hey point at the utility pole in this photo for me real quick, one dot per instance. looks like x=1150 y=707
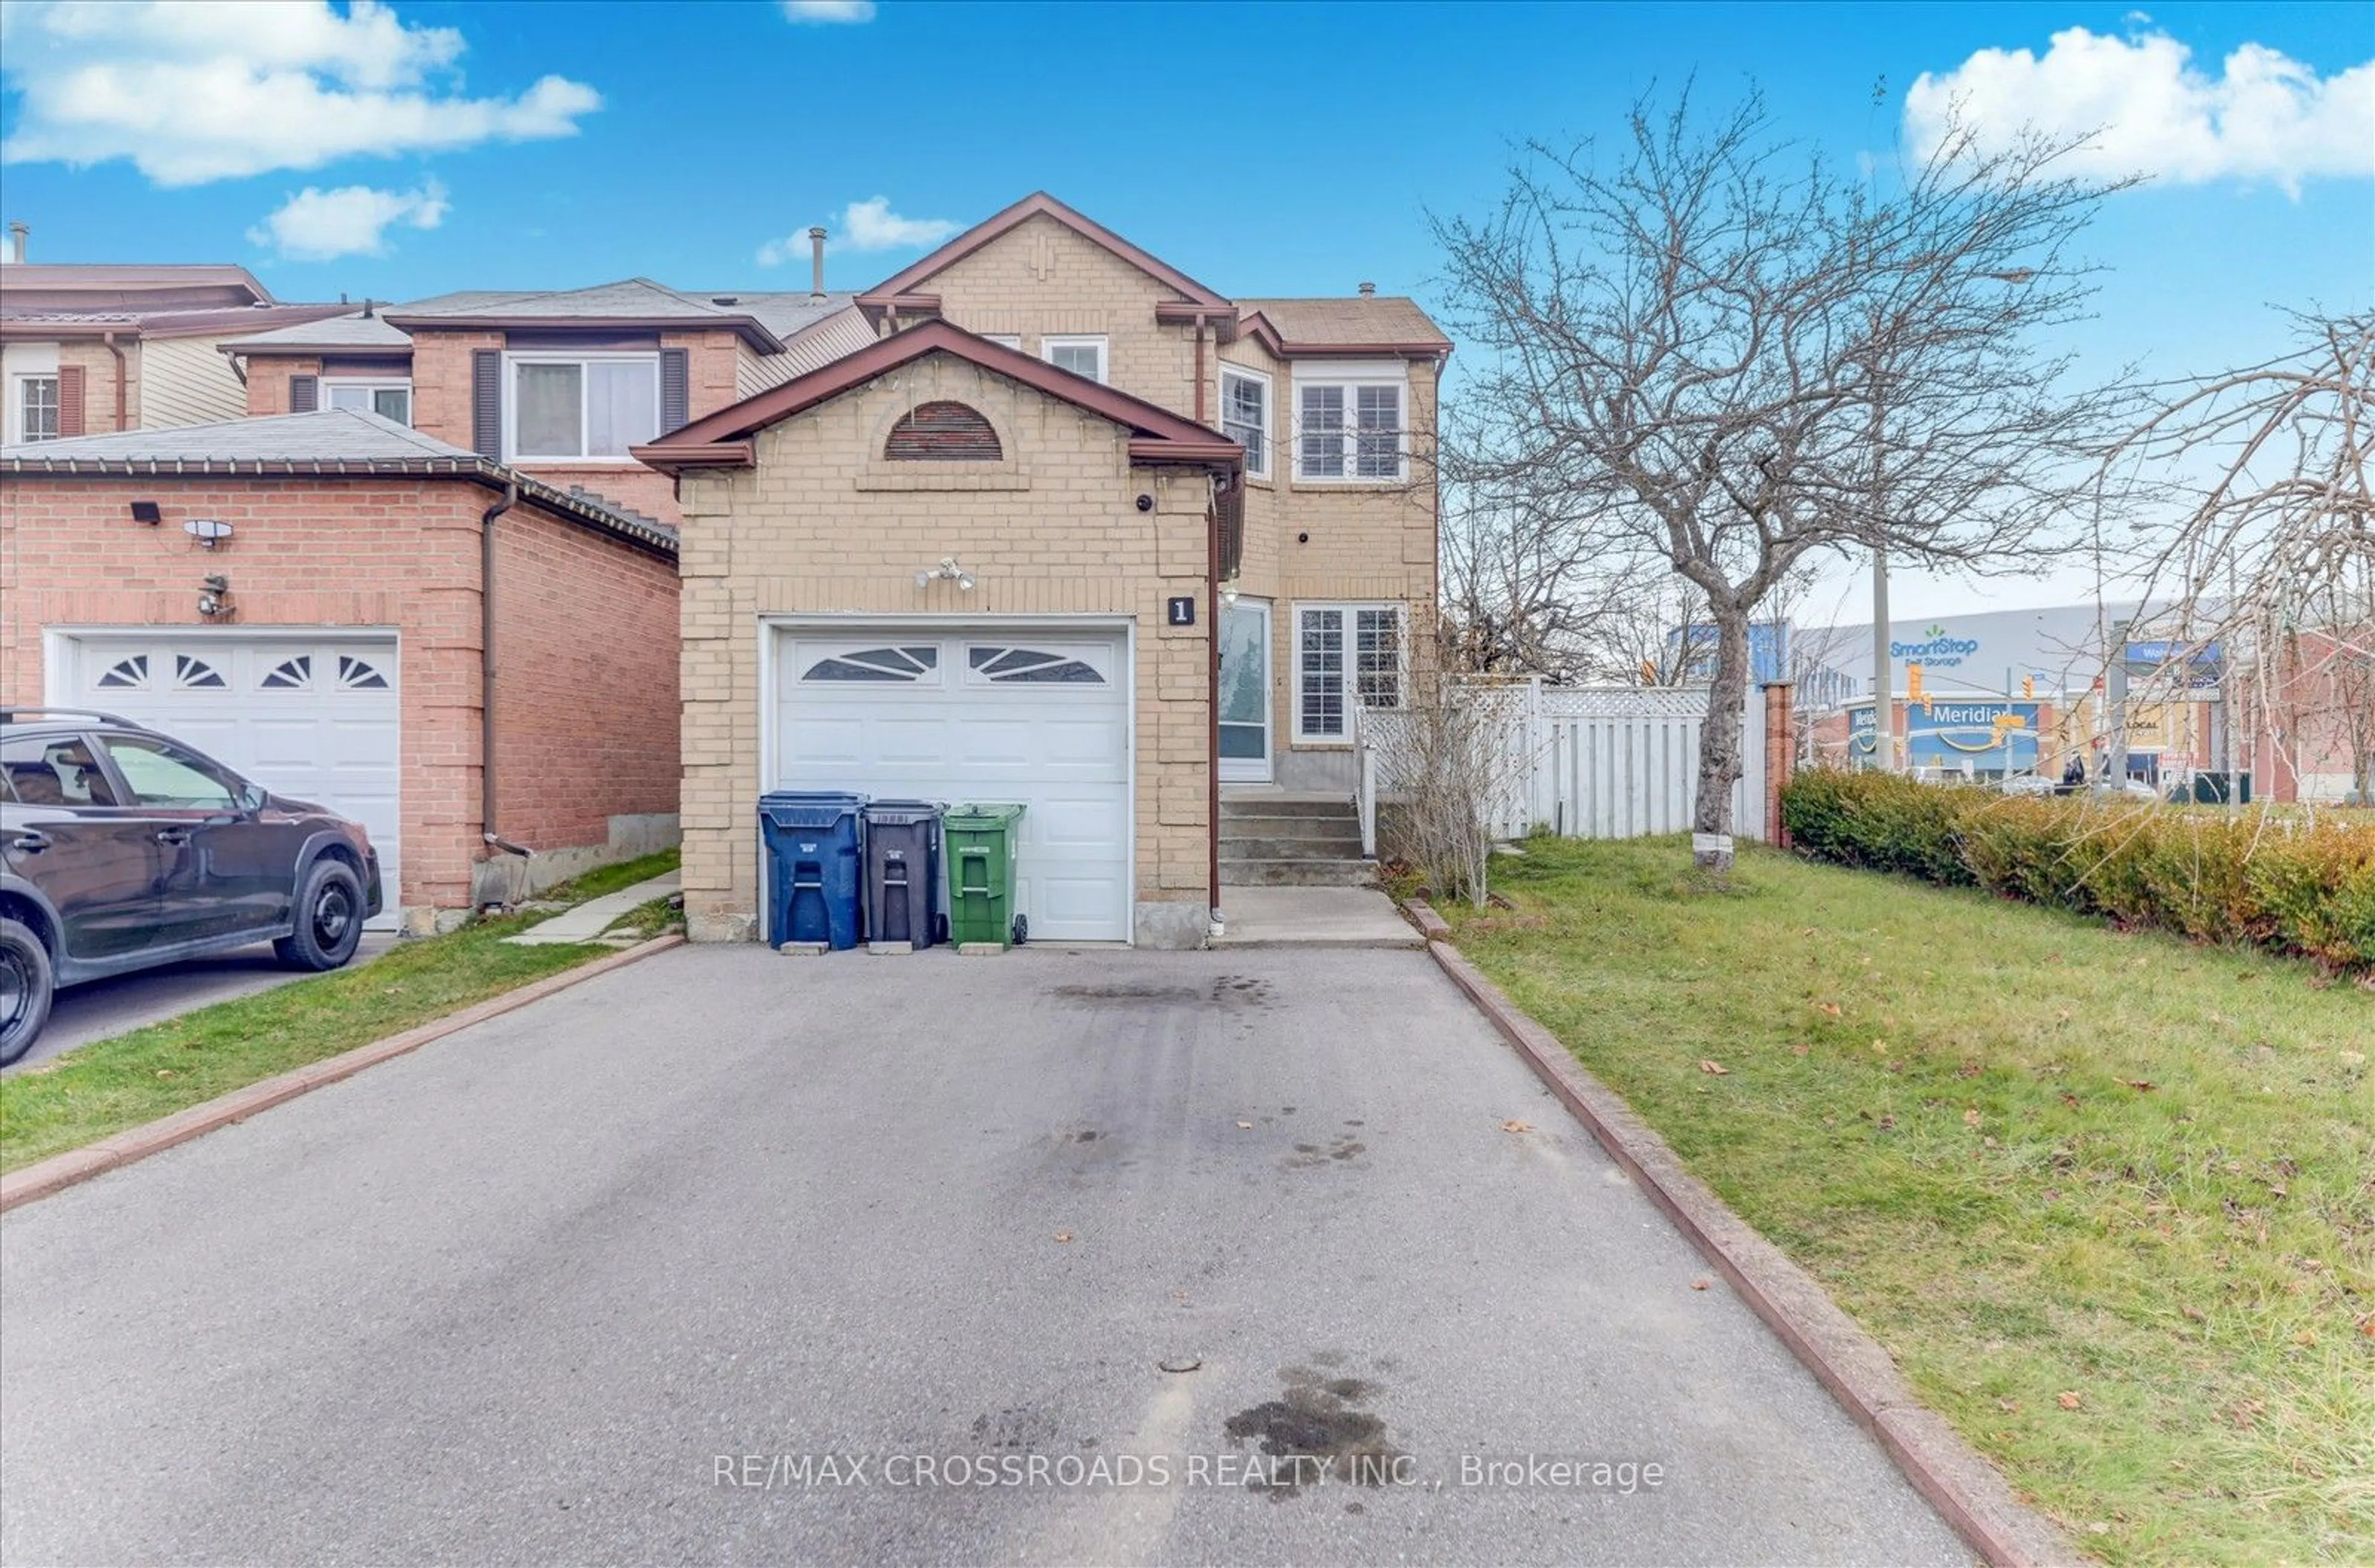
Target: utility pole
x=1883 y=701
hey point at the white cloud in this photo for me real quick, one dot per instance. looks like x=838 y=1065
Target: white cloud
x=870 y=225
x=829 y=10
x=315 y=224
x=2265 y=117
x=193 y=90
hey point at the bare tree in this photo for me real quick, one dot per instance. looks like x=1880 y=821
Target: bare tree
x=2267 y=544
x=1718 y=351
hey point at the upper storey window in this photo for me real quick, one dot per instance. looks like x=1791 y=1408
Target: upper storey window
x=1245 y=415
x=1083 y=356
x=37 y=409
x=564 y=407
x=1349 y=428
x=388 y=399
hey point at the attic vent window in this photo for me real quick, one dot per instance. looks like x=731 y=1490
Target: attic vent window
x=943 y=432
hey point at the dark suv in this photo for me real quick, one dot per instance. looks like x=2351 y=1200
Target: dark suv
x=121 y=848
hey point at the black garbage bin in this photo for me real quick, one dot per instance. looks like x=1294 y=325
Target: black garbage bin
x=903 y=874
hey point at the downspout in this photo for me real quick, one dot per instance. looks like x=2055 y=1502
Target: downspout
x=1213 y=682
x=122 y=370
x=487 y=669
x=1199 y=370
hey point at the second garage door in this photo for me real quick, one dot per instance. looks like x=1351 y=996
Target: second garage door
x=314 y=717
x=987 y=716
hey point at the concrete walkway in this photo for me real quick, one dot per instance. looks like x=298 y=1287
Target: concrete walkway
x=1313 y=917
x=588 y=921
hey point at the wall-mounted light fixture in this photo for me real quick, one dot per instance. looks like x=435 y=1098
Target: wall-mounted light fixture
x=207 y=531
x=213 y=598
x=947 y=572
x=1229 y=592
x=147 y=512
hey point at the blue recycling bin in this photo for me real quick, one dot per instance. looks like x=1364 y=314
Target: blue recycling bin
x=815 y=855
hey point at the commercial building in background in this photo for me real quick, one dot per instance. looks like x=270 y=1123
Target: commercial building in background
x=2001 y=692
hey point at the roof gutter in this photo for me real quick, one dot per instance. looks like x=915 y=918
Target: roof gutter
x=487 y=793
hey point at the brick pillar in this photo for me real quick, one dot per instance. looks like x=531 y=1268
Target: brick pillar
x=1780 y=755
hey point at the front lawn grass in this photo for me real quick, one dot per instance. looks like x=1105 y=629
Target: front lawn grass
x=2109 y=1199
x=112 y=1085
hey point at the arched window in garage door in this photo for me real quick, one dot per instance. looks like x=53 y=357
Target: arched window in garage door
x=1035 y=666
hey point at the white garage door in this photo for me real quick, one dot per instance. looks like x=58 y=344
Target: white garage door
x=313 y=719
x=987 y=716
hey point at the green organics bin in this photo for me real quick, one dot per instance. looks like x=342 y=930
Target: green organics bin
x=980 y=842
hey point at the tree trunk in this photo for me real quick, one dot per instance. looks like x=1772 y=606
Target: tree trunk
x=1719 y=759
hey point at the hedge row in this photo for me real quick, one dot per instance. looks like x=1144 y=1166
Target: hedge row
x=2250 y=877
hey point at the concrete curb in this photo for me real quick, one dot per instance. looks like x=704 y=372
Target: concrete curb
x=1955 y=1479
x=60 y=1172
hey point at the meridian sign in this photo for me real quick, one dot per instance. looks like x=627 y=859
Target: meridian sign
x=1992 y=736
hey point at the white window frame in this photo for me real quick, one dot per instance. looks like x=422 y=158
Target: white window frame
x=1268 y=441
x=1050 y=342
x=1351 y=378
x=1345 y=611
x=512 y=453
x=372 y=384
x=1004 y=339
x=20 y=405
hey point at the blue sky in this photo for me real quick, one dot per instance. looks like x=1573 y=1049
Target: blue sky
x=1263 y=148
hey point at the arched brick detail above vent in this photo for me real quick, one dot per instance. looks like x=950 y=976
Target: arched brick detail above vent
x=943 y=432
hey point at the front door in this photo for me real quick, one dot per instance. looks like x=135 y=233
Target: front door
x=1245 y=693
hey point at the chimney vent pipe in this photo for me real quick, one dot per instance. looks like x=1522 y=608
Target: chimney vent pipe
x=816 y=253
x=1368 y=290
x=17 y=233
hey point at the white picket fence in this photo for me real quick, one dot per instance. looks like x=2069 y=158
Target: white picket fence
x=1609 y=763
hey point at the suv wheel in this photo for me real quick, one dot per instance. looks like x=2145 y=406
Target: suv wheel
x=25 y=990
x=329 y=919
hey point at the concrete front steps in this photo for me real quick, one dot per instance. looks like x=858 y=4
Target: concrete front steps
x=1273 y=838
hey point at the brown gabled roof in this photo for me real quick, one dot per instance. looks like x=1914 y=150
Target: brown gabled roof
x=722 y=439
x=1371 y=323
x=1039 y=204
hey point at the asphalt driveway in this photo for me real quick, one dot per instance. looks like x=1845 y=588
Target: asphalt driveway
x=608 y=1279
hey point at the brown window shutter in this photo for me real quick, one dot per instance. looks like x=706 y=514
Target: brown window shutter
x=676 y=389
x=1230 y=519
x=305 y=393
x=487 y=403
x=70 y=378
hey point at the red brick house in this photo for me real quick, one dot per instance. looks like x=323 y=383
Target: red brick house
x=472 y=661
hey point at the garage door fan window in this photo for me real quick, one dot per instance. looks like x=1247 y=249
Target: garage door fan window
x=875 y=663
x=126 y=674
x=1032 y=664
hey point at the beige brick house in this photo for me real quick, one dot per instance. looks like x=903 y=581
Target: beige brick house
x=985 y=558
